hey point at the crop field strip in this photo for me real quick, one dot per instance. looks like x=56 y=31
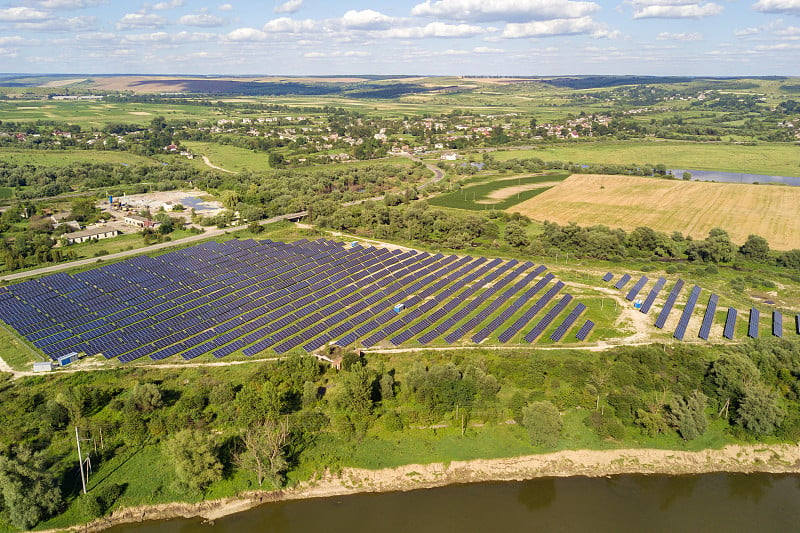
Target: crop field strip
x=248 y=296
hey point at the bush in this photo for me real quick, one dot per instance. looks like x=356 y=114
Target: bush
x=543 y=422
x=672 y=269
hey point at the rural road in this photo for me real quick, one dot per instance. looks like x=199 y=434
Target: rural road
x=208 y=162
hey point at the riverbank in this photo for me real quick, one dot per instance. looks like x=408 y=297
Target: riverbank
x=591 y=463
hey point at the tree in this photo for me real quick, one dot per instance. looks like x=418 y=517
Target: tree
x=194 y=457
x=688 y=415
x=514 y=234
x=265 y=450
x=543 y=422
x=729 y=376
x=29 y=492
x=755 y=248
x=145 y=397
x=759 y=411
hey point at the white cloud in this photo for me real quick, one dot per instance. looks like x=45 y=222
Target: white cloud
x=790 y=7
x=674 y=9
x=288 y=25
x=141 y=20
x=365 y=20
x=436 y=29
x=550 y=28
x=59 y=24
x=68 y=4
x=203 y=20
x=487 y=50
x=289 y=6
x=666 y=36
x=504 y=10
x=23 y=14
x=225 y=7
x=172 y=4
x=8 y=52
x=11 y=39
x=247 y=34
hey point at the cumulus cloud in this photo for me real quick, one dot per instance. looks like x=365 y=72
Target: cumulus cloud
x=246 y=34
x=68 y=4
x=290 y=6
x=365 y=20
x=204 y=20
x=435 y=29
x=225 y=7
x=23 y=14
x=504 y=10
x=288 y=25
x=141 y=20
x=550 y=28
x=674 y=9
x=666 y=36
x=11 y=39
x=59 y=24
x=172 y=4
x=789 y=7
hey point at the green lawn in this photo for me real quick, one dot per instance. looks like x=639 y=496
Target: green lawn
x=68 y=157
x=765 y=158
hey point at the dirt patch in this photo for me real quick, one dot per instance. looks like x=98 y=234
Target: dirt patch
x=593 y=463
x=140 y=113
x=63 y=83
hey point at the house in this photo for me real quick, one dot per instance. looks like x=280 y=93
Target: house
x=90 y=235
x=141 y=222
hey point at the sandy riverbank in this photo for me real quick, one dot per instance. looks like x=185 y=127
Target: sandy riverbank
x=592 y=463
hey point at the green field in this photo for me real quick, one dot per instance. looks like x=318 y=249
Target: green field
x=477 y=197
x=68 y=157
x=5 y=193
x=229 y=157
x=780 y=159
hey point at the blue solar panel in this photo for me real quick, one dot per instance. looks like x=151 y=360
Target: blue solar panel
x=608 y=276
x=651 y=297
x=586 y=328
x=621 y=282
x=708 y=318
x=730 y=323
x=562 y=329
x=683 y=322
x=665 y=311
x=636 y=288
x=777 y=324
x=752 y=330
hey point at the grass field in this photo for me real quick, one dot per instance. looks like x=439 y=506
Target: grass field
x=229 y=157
x=6 y=193
x=68 y=157
x=692 y=208
x=778 y=159
x=497 y=193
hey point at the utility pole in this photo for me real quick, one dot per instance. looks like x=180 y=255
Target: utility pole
x=80 y=459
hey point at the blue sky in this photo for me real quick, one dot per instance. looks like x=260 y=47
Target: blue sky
x=434 y=37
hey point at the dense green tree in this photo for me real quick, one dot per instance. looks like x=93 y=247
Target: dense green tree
x=755 y=248
x=760 y=411
x=543 y=422
x=194 y=456
x=515 y=235
x=29 y=492
x=264 y=454
x=688 y=415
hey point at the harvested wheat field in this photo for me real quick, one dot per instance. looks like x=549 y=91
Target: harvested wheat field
x=692 y=208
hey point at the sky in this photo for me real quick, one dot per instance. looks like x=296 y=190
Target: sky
x=425 y=37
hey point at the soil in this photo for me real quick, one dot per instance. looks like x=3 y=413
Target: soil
x=591 y=463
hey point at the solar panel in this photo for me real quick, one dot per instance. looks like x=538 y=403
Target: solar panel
x=683 y=322
x=586 y=328
x=621 y=282
x=562 y=329
x=651 y=297
x=636 y=288
x=708 y=318
x=665 y=311
x=752 y=330
x=730 y=323
x=608 y=276
x=777 y=324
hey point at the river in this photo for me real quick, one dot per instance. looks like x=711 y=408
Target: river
x=620 y=504
x=735 y=177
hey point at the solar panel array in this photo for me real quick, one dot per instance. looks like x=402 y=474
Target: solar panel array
x=608 y=276
x=777 y=324
x=665 y=311
x=651 y=296
x=586 y=328
x=621 y=282
x=634 y=292
x=248 y=296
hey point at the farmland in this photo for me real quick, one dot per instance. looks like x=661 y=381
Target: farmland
x=485 y=193
x=778 y=159
x=666 y=205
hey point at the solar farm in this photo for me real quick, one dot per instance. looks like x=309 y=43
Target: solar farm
x=684 y=318
x=260 y=296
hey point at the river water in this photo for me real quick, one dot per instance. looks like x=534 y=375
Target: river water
x=735 y=177
x=619 y=504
